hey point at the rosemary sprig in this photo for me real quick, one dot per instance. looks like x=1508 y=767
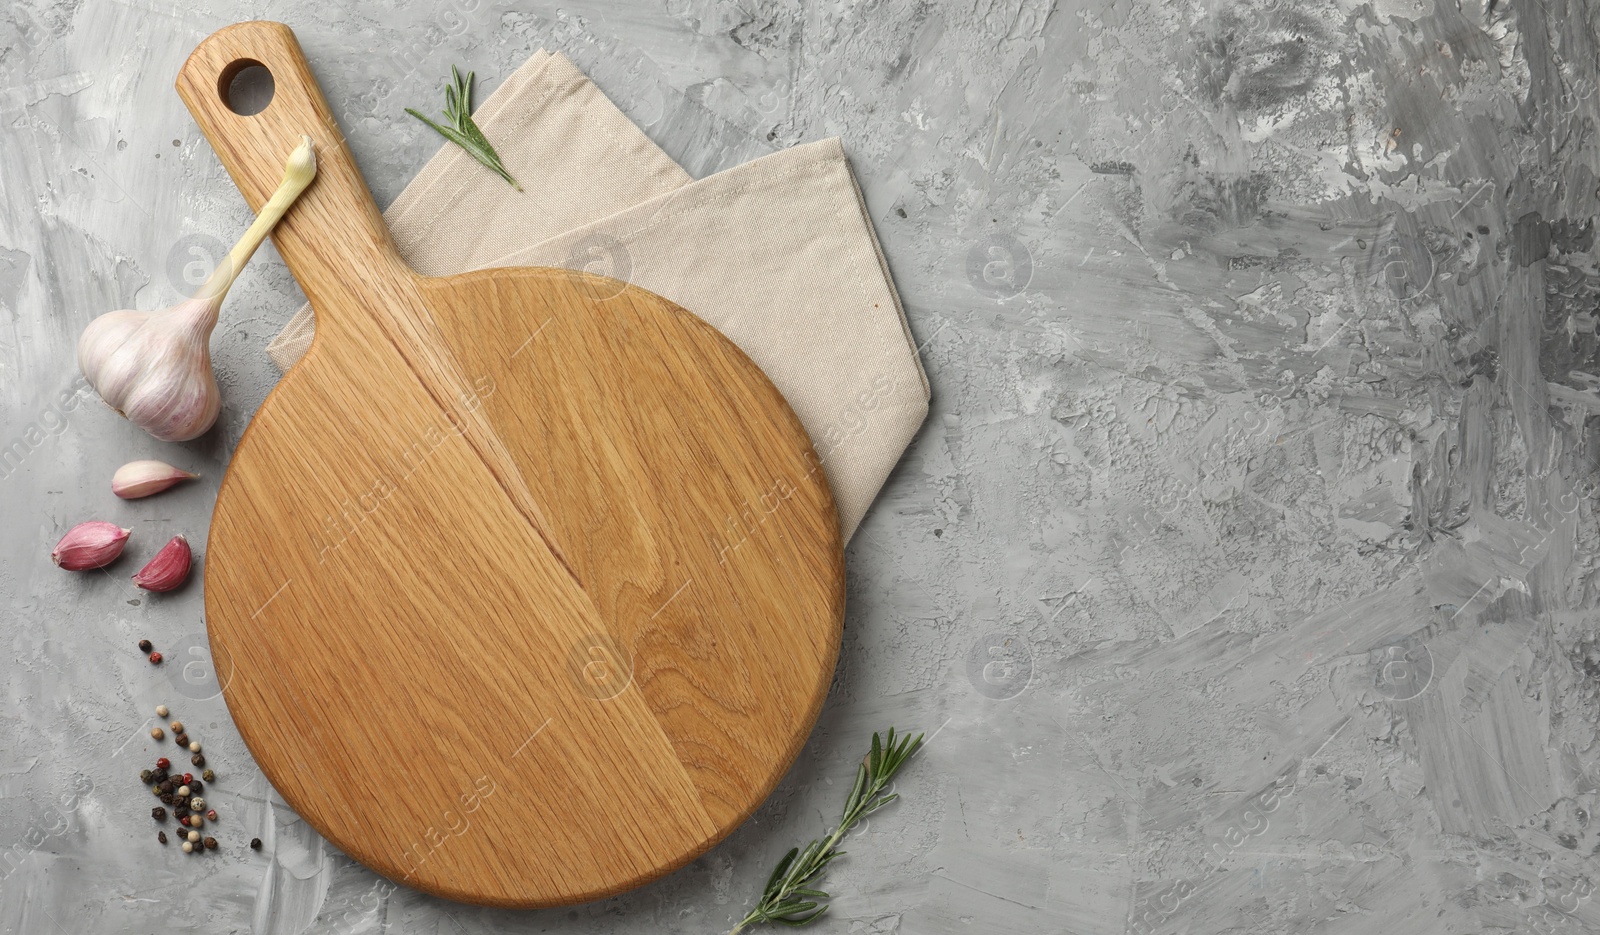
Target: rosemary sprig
x=462 y=131
x=787 y=898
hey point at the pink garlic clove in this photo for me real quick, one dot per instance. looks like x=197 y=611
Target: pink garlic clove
x=94 y=544
x=169 y=569
x=143 y=478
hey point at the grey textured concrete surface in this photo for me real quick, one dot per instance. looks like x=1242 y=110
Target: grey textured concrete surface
x=1244 y=573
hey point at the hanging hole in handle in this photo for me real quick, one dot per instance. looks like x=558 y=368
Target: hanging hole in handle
x=246 y=86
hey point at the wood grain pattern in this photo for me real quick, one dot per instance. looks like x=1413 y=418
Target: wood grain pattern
x=525 y=585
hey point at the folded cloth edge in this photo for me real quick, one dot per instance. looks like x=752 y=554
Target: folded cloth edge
x=856 y=471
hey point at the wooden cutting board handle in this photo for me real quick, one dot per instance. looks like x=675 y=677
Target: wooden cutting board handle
x=337 y=206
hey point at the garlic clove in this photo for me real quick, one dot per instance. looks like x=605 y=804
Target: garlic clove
x=109 y=330
x=169 y=568
x=94 y=544
x=142 y=478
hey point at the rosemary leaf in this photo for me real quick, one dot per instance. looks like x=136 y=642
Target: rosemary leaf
x=461 y=129
x=786 y=899
x=777 y=874
x=798 y=922
x=855 y=793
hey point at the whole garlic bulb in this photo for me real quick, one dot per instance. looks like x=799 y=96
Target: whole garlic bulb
x=155 y=367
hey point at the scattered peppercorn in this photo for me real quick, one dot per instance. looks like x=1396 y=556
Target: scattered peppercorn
x=155 y=659
x=144 y=646
x=255 y=844
x=181 y=792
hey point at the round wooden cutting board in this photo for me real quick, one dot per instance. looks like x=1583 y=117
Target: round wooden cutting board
x=525 y=584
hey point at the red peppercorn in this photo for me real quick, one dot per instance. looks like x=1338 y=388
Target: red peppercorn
x=188 y=778
x=184 y=819
x=163 y=763
x=211 y=814
x=155 y=658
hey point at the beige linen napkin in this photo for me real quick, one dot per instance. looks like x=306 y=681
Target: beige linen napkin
x=778 y=254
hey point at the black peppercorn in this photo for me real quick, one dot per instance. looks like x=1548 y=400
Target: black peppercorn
x=199 y=759
x=196 y=786
x=160 y=775
x=158 y=813
x=144 y=646
x=179 y=811
x=255 y=844
x=165 y=785
x=166 y=797
x=211 y=844
x=182 y=740
x=161 y=836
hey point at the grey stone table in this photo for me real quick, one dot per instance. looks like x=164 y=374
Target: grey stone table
x=1243 y=574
